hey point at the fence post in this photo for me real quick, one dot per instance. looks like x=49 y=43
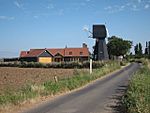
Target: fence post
x=56 y=78
x=90 y=66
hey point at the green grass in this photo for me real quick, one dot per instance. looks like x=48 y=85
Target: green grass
x=17 y=97
x=51 y=87
x=137 y=98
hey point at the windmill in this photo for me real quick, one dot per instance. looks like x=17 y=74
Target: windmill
x=100 y=49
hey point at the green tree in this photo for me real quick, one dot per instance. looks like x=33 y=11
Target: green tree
x=140 y=49
x=136 y=49
x=149 y=47
x=117 y=46
x=146 y=49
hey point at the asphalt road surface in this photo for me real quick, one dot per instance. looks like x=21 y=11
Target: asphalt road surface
x=101 y=96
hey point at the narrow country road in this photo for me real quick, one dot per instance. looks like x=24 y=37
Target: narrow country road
x=100 y=97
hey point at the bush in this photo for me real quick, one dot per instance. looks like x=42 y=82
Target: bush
x=51 y=87
x=32 y=65
x=9 y=64
x=137 y=98
x=74 y=64
x=17 y=97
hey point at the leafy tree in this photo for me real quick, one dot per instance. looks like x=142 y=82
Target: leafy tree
x=149 y=48
x=136 y=49
x=140 y=49
x=146 y=49
x=117 y=46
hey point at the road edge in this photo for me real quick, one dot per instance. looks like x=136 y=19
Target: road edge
x=42 y=102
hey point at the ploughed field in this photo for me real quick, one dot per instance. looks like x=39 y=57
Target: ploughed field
x=13 y=78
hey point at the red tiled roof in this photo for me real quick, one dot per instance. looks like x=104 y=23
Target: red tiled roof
x=76 y=52
x=55 y=51
x=23 y=53
x=34 y=53
x=66 y=52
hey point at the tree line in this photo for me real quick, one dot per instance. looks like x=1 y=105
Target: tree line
x=138 y=49
x=119 y=47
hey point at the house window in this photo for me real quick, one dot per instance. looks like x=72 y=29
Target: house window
x=70 y=53
x=81 y=53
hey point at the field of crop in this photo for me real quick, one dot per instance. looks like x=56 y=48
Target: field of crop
x=22 y=84
x=137 y=98
x=13 y=78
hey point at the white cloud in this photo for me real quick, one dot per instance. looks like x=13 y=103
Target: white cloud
x=7 y=18
x=108 y=8
x=19 y=4
x=146 y=6
x=128 y=4
x=133 y=5
x=114 y=9
x=87 y=0
x=59 y=12
x=139 y=1
x=36 y=17
x=16 y=3
x=121 y=8
x=86 y=28
x=134 y=8
x=50 y=6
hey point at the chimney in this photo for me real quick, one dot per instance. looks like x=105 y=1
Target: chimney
x=84 y=45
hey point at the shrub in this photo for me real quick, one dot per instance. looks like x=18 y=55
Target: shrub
x=17 y=97
x=73 y=64
x=137 y=98
x=51 y=87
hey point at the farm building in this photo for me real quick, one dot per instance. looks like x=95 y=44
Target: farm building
x=55 y=55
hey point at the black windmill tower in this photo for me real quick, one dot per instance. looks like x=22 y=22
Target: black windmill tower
x=100 y=48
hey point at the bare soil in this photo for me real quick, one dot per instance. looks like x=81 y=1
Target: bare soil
x=13 y=78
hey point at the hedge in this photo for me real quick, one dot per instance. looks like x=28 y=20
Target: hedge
x=85 y=64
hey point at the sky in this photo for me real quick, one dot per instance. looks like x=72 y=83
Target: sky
x=26 y=24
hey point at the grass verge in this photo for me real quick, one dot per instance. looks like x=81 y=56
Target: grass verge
x=137 y=98
x=52 y=88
